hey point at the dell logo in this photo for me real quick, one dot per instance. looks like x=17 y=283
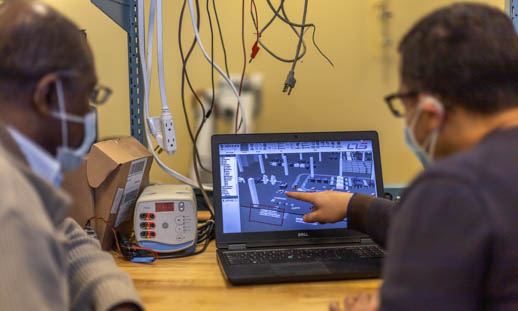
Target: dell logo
x=302 y=234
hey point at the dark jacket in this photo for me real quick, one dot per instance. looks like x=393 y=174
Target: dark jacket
x=453 y=241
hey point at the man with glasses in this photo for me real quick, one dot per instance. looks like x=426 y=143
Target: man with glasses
x=452 y=242
x=47 y=124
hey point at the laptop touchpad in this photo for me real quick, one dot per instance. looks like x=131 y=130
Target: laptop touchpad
x=287 y=269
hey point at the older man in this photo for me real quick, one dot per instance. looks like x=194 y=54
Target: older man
x=453 y=241
x=47 y=79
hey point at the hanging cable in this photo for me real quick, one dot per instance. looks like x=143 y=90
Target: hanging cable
x=200 y=44
x=147 y=80
x=279 y=58
x=313 y=37
x=290 y=81
x=243 y=43
x=160 y=54
x=285 y=19
x=289 y=84
x=213 y=95
x=255 y=47
x=221 y=38
x=185 y=77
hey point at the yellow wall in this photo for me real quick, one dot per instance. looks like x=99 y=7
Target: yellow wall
x=346 y=97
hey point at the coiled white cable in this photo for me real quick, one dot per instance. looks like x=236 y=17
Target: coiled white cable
x=227 y=79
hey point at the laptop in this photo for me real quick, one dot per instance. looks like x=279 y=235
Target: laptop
x=260 y=233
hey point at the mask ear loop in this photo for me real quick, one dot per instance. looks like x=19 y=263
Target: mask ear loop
x=432 y=139
x=417 y=113
x=412 y=125
x=62 y=112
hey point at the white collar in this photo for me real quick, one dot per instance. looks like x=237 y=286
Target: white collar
x=41 y=162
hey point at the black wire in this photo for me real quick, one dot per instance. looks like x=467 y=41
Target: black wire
x=318 y=49
x=205 y=235
x=184 y=65
x=213 y=95
x=221 y=37
x=287 y=21
x=267 y=49
x=313 y=37
x=185 y=78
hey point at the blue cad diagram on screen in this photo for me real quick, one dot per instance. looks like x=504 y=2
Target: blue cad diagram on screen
x=256 y=176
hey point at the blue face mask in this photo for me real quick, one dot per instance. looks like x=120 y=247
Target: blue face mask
x=425 y=157
x=70 y=158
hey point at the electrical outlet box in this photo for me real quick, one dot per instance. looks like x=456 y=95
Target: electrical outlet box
x=168 y=134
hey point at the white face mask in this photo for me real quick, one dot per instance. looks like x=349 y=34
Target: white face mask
x=69 y=158
x=430 y=143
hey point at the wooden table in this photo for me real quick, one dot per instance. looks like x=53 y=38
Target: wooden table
x=196 y=283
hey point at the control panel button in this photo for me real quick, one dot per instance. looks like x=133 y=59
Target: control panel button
x=165 y=225
x=179 y=229
x=179 y=220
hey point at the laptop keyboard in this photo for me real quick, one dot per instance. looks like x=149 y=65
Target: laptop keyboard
x=272 y=256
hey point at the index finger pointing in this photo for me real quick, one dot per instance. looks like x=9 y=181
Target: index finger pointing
x=303 y=196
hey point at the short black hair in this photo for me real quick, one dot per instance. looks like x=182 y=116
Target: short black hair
x=466 y=54
x=35 y=40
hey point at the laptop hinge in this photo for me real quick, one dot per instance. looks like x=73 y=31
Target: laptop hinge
x=233 y=247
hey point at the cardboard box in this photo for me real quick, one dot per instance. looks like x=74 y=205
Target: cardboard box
x=75 y=183
x=114 y=174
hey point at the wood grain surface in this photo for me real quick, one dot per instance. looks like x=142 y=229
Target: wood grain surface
x=196 y=283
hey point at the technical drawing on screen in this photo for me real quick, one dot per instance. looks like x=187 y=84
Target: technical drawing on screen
x=255 y=177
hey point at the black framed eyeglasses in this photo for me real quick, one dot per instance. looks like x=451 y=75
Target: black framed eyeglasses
x=100 y=95
x=395 y=102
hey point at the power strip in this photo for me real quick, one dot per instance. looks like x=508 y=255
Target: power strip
x=168 y=133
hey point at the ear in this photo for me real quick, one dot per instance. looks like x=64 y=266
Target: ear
x=431 y=104
x=432 y=109
x=44 y=94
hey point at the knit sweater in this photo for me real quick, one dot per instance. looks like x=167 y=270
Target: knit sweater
x=48 y=262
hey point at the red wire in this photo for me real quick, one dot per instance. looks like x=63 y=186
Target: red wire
x=255 y=47
x=117 y=240
x=244 y=60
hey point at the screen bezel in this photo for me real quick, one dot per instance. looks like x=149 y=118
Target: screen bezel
x=292 y=237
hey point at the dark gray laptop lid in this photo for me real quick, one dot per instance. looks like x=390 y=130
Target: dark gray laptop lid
x=252 y=172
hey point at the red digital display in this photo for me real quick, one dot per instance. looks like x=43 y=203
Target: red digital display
x=164 y=207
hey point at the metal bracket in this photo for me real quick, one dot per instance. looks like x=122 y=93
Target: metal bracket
x=124 y=13
x=511 y=8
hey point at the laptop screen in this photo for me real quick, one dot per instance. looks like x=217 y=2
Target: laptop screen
x=255 y=176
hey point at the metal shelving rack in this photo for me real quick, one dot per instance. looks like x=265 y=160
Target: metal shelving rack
x=124 y=14
x=511 y=8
